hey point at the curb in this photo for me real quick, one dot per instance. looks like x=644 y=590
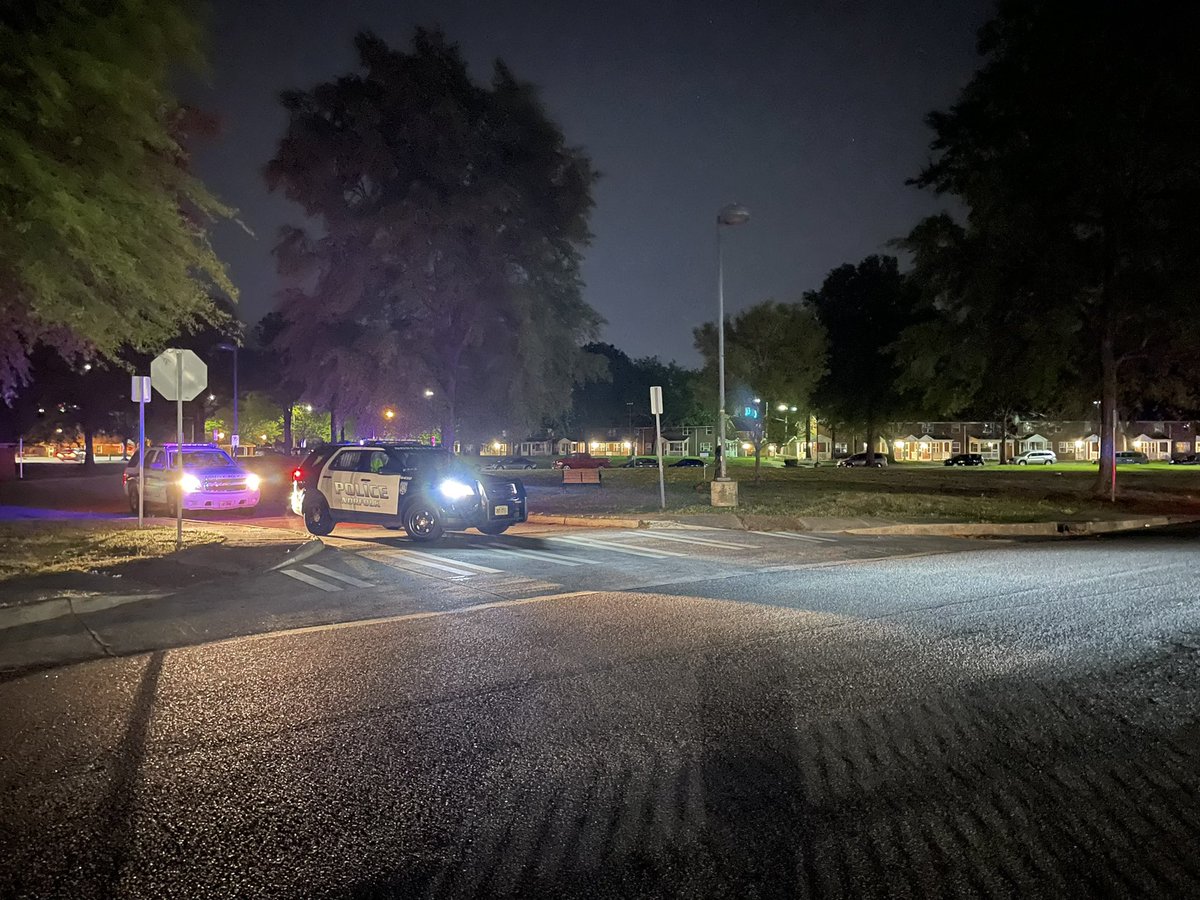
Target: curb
x=1030 y=529
x=584 y=521
x=307 y=550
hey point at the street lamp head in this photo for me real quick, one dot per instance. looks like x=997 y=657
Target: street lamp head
x=428 y=392
x=782 y=407
x=389 y=414
x=733 y=214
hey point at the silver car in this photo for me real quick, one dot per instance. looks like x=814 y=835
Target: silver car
x=1036 y=458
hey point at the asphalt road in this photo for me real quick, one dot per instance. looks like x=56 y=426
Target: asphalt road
x=786 y=717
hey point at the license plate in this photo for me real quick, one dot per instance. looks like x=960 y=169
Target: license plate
x=501 y=510
x=225 y=504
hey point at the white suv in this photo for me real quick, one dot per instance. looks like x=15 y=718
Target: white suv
x=1036 y=458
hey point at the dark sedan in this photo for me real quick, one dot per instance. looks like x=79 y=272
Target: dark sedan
x=860 y=459
x=639 y=462
x=689 y=463
x=1191 y=459
x=511 y=462
x=964 y=459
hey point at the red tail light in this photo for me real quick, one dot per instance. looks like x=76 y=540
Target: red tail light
x=124 y=479
x=297 y=474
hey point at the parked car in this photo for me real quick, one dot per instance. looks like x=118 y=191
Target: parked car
x=860 y=459
x=1131 y=457
x=274 y=470
x=639 y=462
x=211 y=480
x=582 y=461
x=689 y=462
x=964 y=459
x=399 y=484
x=1191 y=459
x=1036 y=458
x=71 y=454
x=511 y=462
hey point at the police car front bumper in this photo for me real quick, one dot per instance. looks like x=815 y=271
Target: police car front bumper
x=221 y=500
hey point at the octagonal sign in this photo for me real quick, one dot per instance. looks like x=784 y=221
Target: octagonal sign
x=168 y=380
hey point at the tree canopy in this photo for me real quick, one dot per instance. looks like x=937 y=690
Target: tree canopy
x=863 y=308
x=102 y=228
x=1073 y=150
x=444 y=257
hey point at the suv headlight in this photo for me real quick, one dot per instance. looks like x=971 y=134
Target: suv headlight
x=189 y=483
x=253 y=481
x=453 y=489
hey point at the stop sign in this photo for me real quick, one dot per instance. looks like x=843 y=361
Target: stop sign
x=171 y=382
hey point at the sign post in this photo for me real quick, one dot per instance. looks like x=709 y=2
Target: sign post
x=656 y=407
x=139 y=393
x=178 y=375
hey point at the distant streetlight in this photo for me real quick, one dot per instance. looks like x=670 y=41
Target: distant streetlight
x=389 y=414
x=232 y=348
x=308 y=407
x=733 y=214
x=787 y=411
x=428 y=393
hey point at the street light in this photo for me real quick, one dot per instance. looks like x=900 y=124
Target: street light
x=428 y=393
x=787 y=431
x=389 y=414
x=723 y=491
x=232 y=348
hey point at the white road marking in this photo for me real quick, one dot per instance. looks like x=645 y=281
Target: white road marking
x=593 y=544
x=398 y=557
x=559 y=559
x=349 y=579
x=693 y=540
x=792 y=536
x=311 y=579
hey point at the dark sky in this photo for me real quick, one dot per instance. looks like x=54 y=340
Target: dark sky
x=810 y=113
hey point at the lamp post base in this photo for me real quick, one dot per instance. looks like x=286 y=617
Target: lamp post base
x=724 y=492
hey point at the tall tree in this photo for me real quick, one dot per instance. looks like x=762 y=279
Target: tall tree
x=864 y=308
x=102 y=229
x=774 y=350
x=1074 y=151
x=451 y=220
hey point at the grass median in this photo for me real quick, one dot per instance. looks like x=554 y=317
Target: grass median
x=58 y=547
x=904 y=492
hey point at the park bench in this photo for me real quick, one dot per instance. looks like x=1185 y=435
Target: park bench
x=581 y=476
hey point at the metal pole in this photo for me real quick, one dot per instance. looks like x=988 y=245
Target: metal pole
x=21 y=456
x=235 y=397
x=721 y=350
x=662 y=488
x=141 y=459
x=179 y=449
x=1112 y=491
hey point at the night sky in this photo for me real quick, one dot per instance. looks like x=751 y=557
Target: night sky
x=810 y=113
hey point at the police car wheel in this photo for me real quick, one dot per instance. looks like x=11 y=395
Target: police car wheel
x=133 y=500
x=422 y=521
x=493 y=528
x=317 y=518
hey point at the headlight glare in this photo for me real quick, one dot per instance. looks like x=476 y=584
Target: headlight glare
x=252 y=482
x=455 y=490
x=189 y=483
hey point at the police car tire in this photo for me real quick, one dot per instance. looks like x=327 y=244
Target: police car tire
x=430 y=532
x=493 y=528
x=133 y=500
x=323 y=523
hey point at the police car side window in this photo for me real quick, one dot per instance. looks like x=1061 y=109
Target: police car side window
x=347 y=461
x=373 y=462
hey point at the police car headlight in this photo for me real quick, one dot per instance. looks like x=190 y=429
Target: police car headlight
x=252 y=482
x=189 y=483
x=455 y=490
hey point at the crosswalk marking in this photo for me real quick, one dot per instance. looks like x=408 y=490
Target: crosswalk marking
x=349 y=579
x=704 y=542
x=401 y=559
x=593 y=544
x=311 y=579
x=559 y=559
x=792 y=536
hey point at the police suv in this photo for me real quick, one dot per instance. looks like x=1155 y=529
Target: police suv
x=413 y=486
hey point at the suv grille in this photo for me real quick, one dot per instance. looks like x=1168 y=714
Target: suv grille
x=219 y=484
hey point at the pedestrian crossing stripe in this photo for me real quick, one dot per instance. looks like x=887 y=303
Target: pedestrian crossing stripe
x=617 y=547
x=560 y=559
x=703 y=542
x=311 y=579
x=349 y=579
x=792 y=536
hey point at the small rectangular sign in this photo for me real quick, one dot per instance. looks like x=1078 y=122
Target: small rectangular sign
x=233 y=441
x=656 y=404
x=139 y=389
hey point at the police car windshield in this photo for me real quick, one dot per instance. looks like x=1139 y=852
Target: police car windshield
x=201 y=459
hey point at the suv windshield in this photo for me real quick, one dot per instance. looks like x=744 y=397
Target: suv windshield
x=200 y=459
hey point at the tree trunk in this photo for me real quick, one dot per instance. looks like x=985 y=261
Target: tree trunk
x=333 y=421
x=287 y=427
x=1106 y=481
x=808 y=436
x=1003 y=423
x=871 y=440
x=89 y=459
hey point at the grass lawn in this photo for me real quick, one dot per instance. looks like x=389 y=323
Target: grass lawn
x=907 y=492
x=36 y=548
